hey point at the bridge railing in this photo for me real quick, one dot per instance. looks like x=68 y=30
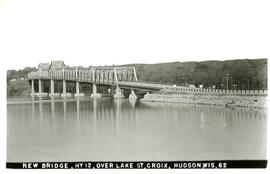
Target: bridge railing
x=180 y=89
x=140 y=84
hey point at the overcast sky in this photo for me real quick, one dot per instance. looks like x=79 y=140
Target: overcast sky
x=106 y=32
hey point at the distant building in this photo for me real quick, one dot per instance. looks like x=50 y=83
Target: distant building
x=12 y=82
x=19 y=83
x=234 y=86
x=191 y=86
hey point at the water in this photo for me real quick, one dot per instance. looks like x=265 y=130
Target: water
x=106 y=129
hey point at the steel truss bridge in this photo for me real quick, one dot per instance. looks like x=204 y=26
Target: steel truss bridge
x=119 y=77
x=111 y=76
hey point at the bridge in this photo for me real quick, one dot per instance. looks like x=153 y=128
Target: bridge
x=115 y=79
x=118 y=78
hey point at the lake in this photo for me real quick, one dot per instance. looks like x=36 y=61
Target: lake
x=123 y=130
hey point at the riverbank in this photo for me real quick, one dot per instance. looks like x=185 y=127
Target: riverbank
x=18 y=88
x=251 y=101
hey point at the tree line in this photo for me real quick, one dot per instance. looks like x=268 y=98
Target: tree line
x=241 y=74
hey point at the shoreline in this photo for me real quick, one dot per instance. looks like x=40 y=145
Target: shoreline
x=250 y=101
x=214 y=99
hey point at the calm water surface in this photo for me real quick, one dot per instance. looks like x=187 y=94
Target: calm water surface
x=107 y=129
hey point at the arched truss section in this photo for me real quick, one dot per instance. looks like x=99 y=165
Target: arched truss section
x=101 y=74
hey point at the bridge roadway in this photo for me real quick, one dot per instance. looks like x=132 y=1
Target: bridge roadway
x=142 y=86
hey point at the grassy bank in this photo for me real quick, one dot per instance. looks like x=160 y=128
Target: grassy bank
x=18 y=88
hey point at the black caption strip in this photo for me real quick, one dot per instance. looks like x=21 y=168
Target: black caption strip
x=140 y=165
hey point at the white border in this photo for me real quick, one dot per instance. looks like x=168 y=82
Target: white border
x=228 y=29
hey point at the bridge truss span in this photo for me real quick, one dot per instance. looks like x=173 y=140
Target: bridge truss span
x=98 y=75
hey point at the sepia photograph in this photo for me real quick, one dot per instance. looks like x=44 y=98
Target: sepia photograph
x=180 y=111
x=117 y=86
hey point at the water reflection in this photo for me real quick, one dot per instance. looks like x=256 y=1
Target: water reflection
x=33 y=109
x=105 y=129
x=211 y=115
x=41 y=116
x=65 y=109
x=133 y=102
x=78 y=111
x=202 y=120
x=53 y=108
x=113 y=115
x=116 y=114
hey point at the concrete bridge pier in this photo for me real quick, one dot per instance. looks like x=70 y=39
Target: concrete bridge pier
x=65 y=94
x=78 y=94
x=132 y=95
x=40 y=89
x=52 y=94
x=95 y=94
x=146 y=95
x=118 y=93
x=33 y=94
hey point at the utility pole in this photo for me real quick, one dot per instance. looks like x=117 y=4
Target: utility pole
x=227 y=80
x=248 y=84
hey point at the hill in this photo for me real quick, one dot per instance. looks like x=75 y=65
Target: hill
x=247 y=73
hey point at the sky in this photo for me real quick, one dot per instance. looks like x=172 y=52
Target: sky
x=106 y=32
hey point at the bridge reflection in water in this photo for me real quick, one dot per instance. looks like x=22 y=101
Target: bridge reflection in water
x=107 y=129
